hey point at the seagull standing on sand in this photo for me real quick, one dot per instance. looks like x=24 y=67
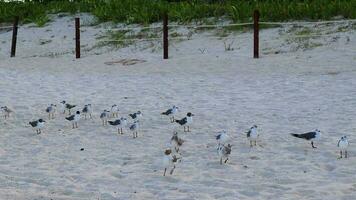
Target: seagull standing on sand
x=104 y=117
x=310 y=136
x=137 y=115
x=176 y=141
x=252 y=135
x=51 y=110
x=222 y=137
x=6 y=111
x=66 y=106
x=186 y=121
x=169 y=161
x=74 y=119
x=87 y=111
x=224 y=152
x=342 y=145
x=119 y=123
x=171 y=113
x=134 y=128
x=115 y=110
x=38 y=125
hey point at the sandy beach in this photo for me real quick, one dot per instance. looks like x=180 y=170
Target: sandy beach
x=292 y=88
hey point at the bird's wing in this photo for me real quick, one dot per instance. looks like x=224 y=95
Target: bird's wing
x=308 y=135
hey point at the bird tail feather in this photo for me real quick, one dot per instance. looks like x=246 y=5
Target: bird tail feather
x=296 y=135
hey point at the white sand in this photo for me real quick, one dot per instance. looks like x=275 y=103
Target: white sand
x=296 y=90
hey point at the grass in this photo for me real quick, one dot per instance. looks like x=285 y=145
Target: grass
x=148 y=11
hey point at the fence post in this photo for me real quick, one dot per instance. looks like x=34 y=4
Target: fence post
x=165 y=35
x=14 y=36
x=77 y=37
x=256 y=17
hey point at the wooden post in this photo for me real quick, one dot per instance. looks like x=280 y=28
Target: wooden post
x=77 y=37
x=165 y=35
x=256 y=17
x=14 y=37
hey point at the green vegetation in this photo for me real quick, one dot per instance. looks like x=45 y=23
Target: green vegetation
x=148 y=11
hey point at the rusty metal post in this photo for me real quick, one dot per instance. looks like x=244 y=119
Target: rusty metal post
x=77 y=37
x=256 y=18
x=165 y=35
x=14 y=36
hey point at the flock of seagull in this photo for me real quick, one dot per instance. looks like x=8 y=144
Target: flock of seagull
x=172 y=153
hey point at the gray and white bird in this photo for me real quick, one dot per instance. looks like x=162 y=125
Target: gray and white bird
x=186 y=121
x=224 y=152
x=104 y=117
x=170 y=161
x=115 y=110
x=343 y=144
x=87 y=110
x=137 y=115
x=6 y=111
x=176 y=141
x=51 y=110
x=134 y=128
x=38 y=125
x=252 y=135
x=171 y=113
x=74 y=119
x=310 y=136
x=66 y=107
x=222 y=137
x=119 y=123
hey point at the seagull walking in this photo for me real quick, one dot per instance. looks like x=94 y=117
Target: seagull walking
x=135 y=116
x=87 y=110
x=224 y=152
x=115 y=110
x=310 y=136
x=186 y=121
x=104 y=117
x=6 y=111
x=169 y=161
x=252 y=135
x=134 y=128
x=74 y=119
x=171 y=113
x=342 y=145
x=222 y=137
x=38 y=125
x=119 y=123
x=176 y=141
x=51 y=110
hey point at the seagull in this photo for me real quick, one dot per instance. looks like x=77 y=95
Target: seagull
x=342 y=145
x=252 y=135
x=66 y=106
x=104 y=117
x=87 y=110
x=176 y=141
x=134 y=128
x=169 y=161
x=120 y=123
x=312 y=136
x=136 y=115
x=74 y=119
x=38 y=125
x=115 y=110
x=186 y=121
x=222 y=137
x=224 y=152
x=51 y=111
x=171 y=113
x=6 y=111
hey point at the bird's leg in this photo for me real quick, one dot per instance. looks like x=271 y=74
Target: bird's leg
x=76 y=124
x=188 y=129
x=340 y=154
x=90 y=116
x=103 y=122
x=312 y=143
x=165 y=169
x=251 y=144
x=255 y=143
x=73 y=126
x=49 y=115
x=226 y=160
x=345 y=154
x=220 y=160
x=85 y=116
x=136 y=134
x=37 y=131
x=118 y=131
x=121 y=131
x=174 y=166
x=133 y=134
x=184 y=128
